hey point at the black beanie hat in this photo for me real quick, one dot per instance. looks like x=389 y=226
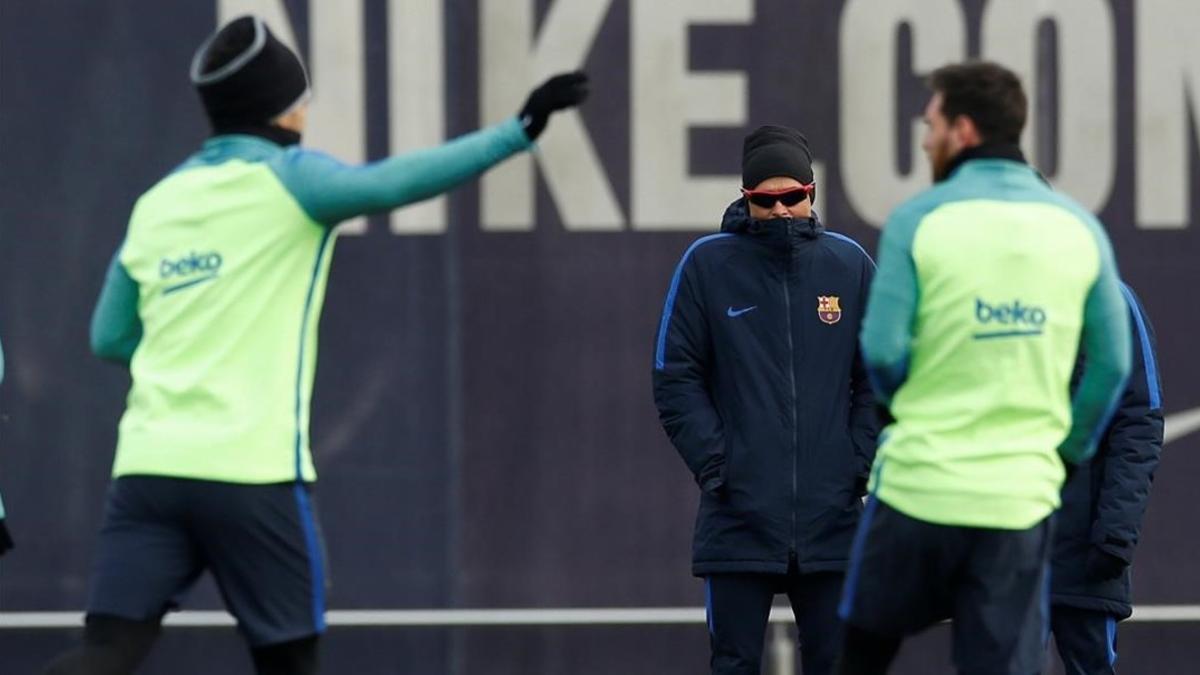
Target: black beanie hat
x=246 y=76
x=771 y=151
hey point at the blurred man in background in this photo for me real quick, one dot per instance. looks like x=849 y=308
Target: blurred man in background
x=213 y=301
x=1097 y=528
x=760 y=386
x=988 y=285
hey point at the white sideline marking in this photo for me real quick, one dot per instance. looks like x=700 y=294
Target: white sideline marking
x=435 y=618
x=1181 y=424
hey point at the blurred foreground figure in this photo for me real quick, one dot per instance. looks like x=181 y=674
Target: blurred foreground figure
x=760 y=386
x=213 y=301
x=1096 y=531
x=988 y=285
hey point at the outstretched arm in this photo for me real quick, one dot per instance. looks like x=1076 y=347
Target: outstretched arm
x=330 y=191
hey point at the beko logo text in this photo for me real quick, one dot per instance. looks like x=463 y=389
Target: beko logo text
x=190 y=264
x=1016 y=313
x=1013 y=319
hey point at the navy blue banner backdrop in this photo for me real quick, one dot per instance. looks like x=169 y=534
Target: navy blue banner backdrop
x=482 y=424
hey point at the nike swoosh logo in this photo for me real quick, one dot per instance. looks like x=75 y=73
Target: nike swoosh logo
x=731 y=312
x=1181 y=424
x=188 y=284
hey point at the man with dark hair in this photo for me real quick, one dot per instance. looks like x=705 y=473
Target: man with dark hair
x=1096 y=531
x=213 y=300
x=760 y=387
x=975 y=372
x=987 y=94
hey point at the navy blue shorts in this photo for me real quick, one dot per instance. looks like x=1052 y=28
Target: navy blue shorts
x=262 y=544
x=907 y=574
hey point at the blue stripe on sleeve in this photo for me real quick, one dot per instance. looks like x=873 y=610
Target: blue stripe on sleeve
x=1147 y=352
x=843 y=237
x=669 y=305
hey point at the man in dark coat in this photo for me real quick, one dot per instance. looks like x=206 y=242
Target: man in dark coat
x=760 y=387
x=1102 y=507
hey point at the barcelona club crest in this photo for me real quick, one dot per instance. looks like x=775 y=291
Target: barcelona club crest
x=828 y=309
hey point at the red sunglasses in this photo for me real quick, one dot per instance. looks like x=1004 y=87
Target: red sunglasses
x=789 y=196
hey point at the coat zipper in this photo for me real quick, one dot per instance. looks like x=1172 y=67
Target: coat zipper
x=787 y=298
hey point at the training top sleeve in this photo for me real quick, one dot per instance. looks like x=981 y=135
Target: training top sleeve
x=116 y=327
x=330 y=191
x=1106 y=342
x=886 y=336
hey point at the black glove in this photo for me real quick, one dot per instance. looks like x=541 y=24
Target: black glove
x=1069 y=469
x=860 y=485
x=566 y=90
x=884 y=415
x=1103 y=566
x=6 y=541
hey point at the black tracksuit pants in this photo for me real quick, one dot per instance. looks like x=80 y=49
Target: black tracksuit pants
x=1086 y=640
x=740 y=604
